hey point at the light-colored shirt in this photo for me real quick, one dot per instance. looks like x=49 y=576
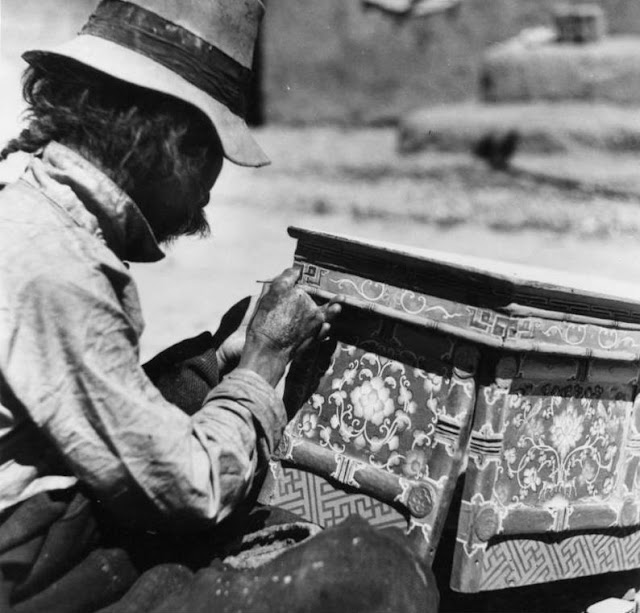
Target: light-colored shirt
x=75 y=404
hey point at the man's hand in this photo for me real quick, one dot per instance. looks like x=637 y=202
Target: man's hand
x=232 y=334
x=286 y=320
x=229 y=353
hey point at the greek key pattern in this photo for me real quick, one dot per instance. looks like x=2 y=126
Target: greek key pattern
x=517 y=562
x=501 y=325
x=316 y=500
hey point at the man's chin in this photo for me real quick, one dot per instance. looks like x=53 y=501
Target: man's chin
x=197 y=225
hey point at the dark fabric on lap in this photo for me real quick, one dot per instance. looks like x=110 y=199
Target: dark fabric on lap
x=171 y=561
x=152 y=588
x=352 y=567
x=50 y=551
x=102 y=577
x=343 y=568
x=186 y=372
x=56 y=544
x=43 y=538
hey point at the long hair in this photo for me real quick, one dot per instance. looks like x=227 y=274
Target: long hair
x=135 y=135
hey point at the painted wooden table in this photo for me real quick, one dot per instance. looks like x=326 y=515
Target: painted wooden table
x=522 y=380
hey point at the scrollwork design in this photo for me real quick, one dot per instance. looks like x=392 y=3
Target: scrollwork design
x=560 y=445
x=417 y=304
x=572 y=334
x=412 y=297
x=372 y=291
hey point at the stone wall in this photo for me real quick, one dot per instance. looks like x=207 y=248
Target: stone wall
x=332 y=60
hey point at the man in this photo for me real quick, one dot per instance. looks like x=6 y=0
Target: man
x=128 y=125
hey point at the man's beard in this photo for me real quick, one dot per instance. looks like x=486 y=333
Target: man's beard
x=171 y=221
x=195 y=224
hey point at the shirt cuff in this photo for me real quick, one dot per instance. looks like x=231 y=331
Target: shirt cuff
x=253 y=392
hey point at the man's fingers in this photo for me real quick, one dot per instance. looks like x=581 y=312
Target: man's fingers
x=289 y=314
x=304 y=346
x=251 y=309
x=324 y=331
x=333 y=308
x=332 y=311
x=286 y=279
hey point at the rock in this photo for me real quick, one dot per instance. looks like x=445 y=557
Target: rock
x=606 y=70
x=580 y=23
x=540 y=128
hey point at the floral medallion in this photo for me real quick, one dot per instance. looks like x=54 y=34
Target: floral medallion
x=376 y=410
x=561 y=442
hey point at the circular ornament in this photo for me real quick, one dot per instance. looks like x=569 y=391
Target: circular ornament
x=420 y=501
x=486 y=524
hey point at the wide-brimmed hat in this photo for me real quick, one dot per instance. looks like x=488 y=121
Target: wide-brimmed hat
x=200 y=51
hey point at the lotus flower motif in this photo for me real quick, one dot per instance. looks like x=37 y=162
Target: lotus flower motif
x=566 y=430
x=415 y=463
x=372 y=402
x=531 y=479
x=309 y=424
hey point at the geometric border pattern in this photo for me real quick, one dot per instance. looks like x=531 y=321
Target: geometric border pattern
x=318 y=501
x=517 y=562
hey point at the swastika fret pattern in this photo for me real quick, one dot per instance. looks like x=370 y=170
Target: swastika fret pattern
x=527 y=561
x=318 y=501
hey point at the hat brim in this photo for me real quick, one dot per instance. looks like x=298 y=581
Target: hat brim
x=127 y=65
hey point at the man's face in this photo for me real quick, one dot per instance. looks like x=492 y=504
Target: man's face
x=174 y=208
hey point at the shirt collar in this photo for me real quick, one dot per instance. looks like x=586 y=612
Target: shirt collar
x=95 y=202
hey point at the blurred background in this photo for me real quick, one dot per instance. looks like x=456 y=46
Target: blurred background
x=505 y=129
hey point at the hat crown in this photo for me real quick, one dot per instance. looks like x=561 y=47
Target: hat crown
x=230 y=25
x=198 y=51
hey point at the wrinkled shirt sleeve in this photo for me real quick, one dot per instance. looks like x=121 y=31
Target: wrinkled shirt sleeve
x=74 y=366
